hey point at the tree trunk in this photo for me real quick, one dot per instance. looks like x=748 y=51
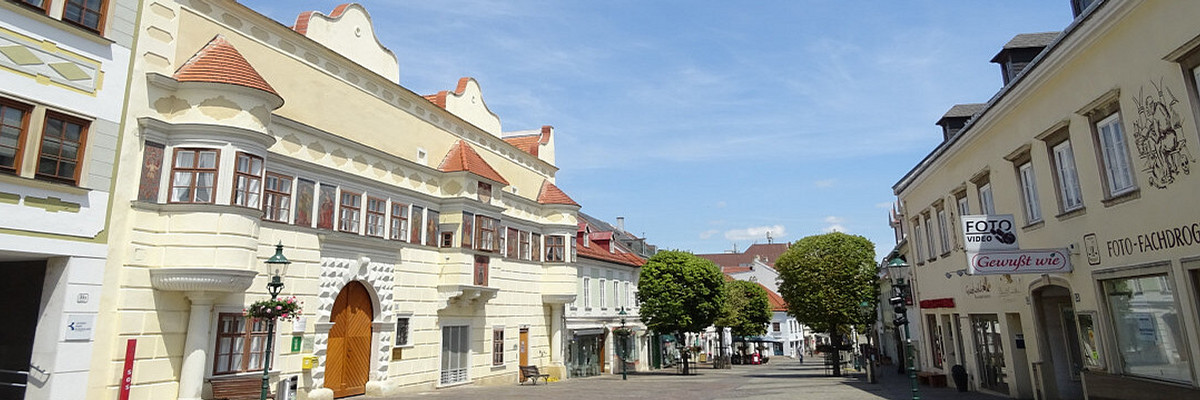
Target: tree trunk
x=835 y=339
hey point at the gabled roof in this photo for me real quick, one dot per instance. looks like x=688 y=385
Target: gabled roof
x=462 y=157
x=777 y=303
x=964 y=110
x=551 y=194
x=1027 y=41
x=529 y=143
x=219 y=62
x=766 y=252
x=619 y=255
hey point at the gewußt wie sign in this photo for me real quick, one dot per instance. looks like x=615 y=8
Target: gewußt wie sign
x=991 y=245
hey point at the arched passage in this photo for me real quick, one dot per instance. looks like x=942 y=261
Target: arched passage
x=348 y=360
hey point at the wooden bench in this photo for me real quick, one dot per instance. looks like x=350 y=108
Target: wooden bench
x=931 y=379
x=530 y=372
x=238 y=388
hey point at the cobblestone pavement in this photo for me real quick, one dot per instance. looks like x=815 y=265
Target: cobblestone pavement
x=782 y=378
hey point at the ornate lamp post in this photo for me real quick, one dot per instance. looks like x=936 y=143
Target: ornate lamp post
x=623 y=347
x=898 y=301
x=274 y=287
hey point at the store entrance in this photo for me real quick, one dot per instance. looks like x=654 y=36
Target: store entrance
x=1059 y=336
x=22 y=288
x=989 y=352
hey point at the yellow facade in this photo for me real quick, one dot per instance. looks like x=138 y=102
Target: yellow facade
x=1028 y=335
x=190 y=256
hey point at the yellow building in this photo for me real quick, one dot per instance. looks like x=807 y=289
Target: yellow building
x=428 y=248
x=1088 y=148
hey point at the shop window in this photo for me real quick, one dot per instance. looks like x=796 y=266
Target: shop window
x=62 y=148
x=351 y=212
x=399 y=224
x=376 y=215
x=555 y=247
x=1145 y=317
x=193 y=175
x=241 y=344
x=277 y=197
x=935 y=340
x=247 y=180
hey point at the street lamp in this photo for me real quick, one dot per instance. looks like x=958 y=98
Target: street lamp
x=274 y=287
x=624 y=344
x=898 y=301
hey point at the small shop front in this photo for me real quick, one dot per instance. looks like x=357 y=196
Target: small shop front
x=586 y=353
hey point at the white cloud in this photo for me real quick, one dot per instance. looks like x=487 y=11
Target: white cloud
x=756 y=233
x=721 y=204
x=708 y=234
x=825 y=183
x=835 y=224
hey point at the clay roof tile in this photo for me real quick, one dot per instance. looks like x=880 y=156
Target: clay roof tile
x=462 y=157
x=220 y=62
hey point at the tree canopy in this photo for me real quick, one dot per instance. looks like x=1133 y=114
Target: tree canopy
x=826 y=278
x=679 y=292
x=747 y=309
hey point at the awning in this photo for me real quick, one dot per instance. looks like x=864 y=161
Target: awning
x=588 y=332
x=755 y=339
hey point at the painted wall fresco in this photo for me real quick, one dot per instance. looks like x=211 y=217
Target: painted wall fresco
x=1157 y=137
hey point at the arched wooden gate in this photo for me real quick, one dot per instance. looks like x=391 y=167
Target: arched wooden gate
x=348 y=360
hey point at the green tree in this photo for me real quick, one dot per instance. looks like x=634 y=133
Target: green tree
x=747 y=309
x=825 y=278
x=679 y=293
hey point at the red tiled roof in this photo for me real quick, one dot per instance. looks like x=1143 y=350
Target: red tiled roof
x=598 y=252
x=777 y=303
x=219 y=62
x=768 y=252
x=551 y=194
x=735 y=270
x=462 y=157
x=527 y=143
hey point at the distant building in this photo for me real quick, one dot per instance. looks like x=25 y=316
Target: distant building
x=757 y=264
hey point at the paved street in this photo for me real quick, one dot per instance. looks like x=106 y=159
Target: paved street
x=783 y=378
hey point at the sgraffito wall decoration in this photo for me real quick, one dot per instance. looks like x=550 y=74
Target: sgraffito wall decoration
x=1157 y=137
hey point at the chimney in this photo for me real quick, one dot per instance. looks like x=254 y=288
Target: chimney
x=1019 y=51
x=621 y=224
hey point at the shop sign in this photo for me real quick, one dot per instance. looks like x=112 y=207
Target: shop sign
x=79 y=327
x=989 y=232
x=1020 y=261
x=1155 y=240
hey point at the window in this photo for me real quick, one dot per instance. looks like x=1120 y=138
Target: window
x=1033 y=211
x=985 y=199
x=481 y=270
x=1115 y=155
x=376 y=215
x=431 y=227
x=193 y=175
x=920 y=242
x=86 y=13
x=351 y=212
x=241 y=343
x=536 y=243
x=402 y=331
x=1147 y=324
x=963 y=207
x=628 y=295
x=418 y=222
x=14 y=119
x=935 y=340
x=498 y=346
x=278 y=197
x=614 y=299
x=774 y=327
x=943 y=230
x=247 y=180
x=587 y=292
x=929 y=237
x=486 y=238
x=62 y=148
x=399 y=221
x=510 y=243
x=524 y=238
x=1069 y=195
x=40 y=5
x=555 y=248
x=603 y=298
x=468 y=230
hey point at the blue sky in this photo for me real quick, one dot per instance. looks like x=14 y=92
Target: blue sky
x=709 y=123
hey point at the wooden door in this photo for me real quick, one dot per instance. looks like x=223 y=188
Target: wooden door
x=523 y=349
x=600 y=353
x=348 y=361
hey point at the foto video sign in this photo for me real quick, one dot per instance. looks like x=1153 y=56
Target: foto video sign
x=989 y=232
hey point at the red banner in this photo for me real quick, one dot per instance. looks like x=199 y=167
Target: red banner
x=127 y=373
